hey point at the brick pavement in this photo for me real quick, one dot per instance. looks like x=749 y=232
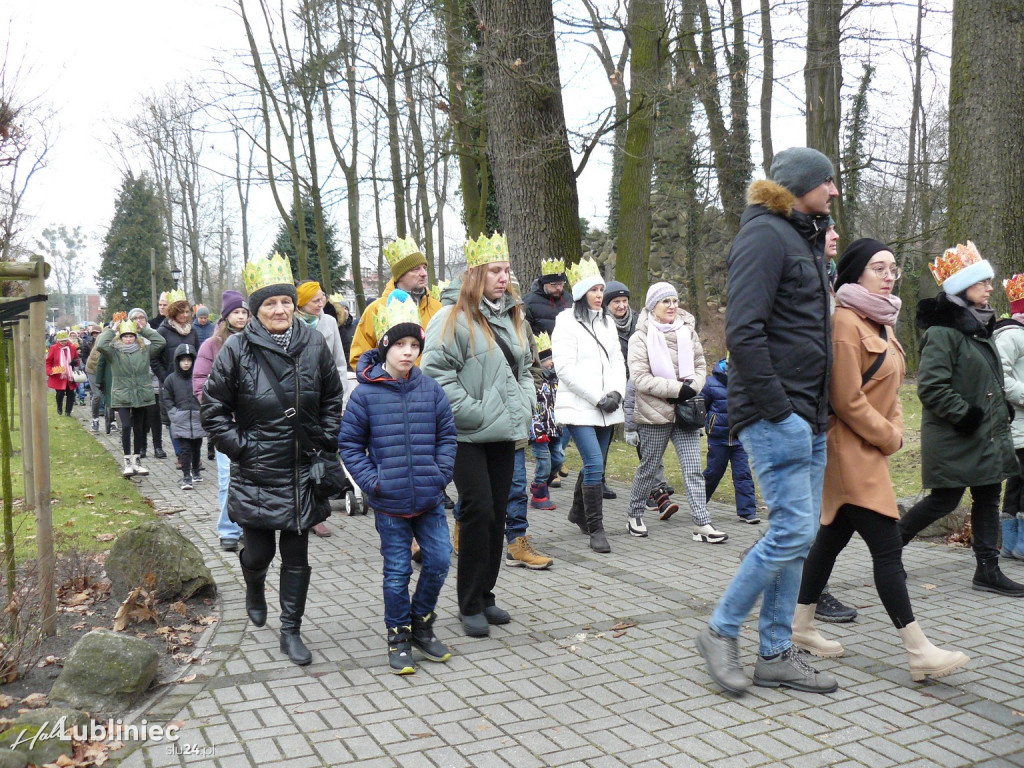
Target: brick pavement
x=558 y=686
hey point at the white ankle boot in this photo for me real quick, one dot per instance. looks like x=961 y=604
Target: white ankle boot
x=139 y=469
x=807 y=637
x=925 y=659
x=129 y=467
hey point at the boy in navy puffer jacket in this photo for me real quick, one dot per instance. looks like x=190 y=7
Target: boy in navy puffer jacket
x=722 y=448
x=397 y=440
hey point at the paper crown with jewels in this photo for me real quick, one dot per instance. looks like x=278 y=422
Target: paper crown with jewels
x=400 y=308
x=177 y=295
x=552 y=267
x=261 y=273
x=960 y=267
x=543 y=341
x=486 y=250
x=402 y=255
x=1014 y=287
x=127 y=326
x=438 y=288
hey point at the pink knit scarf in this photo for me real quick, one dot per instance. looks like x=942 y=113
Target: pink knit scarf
x=882 y=308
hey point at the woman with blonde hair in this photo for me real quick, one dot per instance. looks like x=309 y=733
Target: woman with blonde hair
x=478 y=350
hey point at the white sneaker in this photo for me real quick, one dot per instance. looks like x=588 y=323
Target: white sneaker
x=708 y=534
x=139 y=469
x=129 y=467
x=637 y=527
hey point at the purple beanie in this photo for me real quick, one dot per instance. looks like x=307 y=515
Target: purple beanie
x=230 y=301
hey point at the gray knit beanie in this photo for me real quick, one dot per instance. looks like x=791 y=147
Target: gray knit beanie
x=801 y=169
x=657 y=292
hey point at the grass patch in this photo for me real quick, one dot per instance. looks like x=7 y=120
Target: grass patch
x=904 y=466
x=92 y=504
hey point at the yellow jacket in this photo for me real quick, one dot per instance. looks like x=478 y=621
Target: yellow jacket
x=365 y=338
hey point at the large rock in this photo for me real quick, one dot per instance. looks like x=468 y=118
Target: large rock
x=106 y=672
x=35 y=737
x=159 y=549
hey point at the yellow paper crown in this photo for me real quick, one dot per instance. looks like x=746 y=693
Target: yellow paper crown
x=173 y=296
x=259 y=273
x=586 y=268
x=336 y=298
x=400 y=308
x=63 y=335
x=954 y=260
x=552 y=267
x=435 y=290
x=399 y=249
x=486 y=250
x=543 y=342
x=127 y=326
x=1014 y=287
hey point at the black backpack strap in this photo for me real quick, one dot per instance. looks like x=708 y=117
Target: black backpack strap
x=509 y=358
x=873 y=368
x=289 y=411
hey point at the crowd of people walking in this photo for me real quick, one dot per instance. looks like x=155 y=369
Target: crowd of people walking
x=453 y=383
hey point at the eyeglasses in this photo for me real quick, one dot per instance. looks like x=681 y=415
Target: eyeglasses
x=987 y=282
x=670 y=302
x=882 y=270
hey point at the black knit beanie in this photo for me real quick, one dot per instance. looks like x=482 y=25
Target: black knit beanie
x=855 y=258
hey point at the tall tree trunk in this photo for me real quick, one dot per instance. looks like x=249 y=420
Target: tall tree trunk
x=986 y=141
x=767 y=81
x=823 y=81
x=389 y=78
x=647 y=57
x=527 y=143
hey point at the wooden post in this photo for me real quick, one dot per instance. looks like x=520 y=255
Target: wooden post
x=25 y=412
x=41 y=452
x=152 y=281
x=5 y=470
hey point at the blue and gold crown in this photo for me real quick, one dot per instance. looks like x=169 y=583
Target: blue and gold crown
x=400 y=308
x=260 y=273
x=486 y=250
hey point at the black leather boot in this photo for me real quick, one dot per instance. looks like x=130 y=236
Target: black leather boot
x=294 y=585
x=576 y=513
x=593 y=507
x=988 y=578
x=255 y=595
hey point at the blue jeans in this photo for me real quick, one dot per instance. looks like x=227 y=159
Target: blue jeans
x=592 y=443
x=225 y=528
x=396 y=533
x=558 y=448
x=515 y=513
x=542 y=453
x=789 y=463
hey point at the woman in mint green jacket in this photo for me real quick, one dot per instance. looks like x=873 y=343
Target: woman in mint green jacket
x=478 y=350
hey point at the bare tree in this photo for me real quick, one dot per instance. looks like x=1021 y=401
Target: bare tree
x=62 y=248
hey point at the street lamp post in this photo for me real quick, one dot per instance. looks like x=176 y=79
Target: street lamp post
x=175 y=276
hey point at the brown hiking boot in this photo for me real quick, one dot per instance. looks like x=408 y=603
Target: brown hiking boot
x=455 y=538
x=521 y=553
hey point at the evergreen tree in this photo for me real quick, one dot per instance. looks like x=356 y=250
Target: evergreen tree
x=137 y=227
x=283 y=245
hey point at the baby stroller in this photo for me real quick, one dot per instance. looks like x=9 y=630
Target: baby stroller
x=355 y=501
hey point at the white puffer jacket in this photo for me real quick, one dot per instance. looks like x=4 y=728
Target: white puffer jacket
x=653 y=392
x=586 y=372
x=1009 y=339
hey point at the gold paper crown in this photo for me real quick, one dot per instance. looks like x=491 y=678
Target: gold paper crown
x=586 y=268
x=1014 y=287
x=552 y=267
x=954 y=260
x=400 y=308
x=435 y=290
x=127 y=326
x=336 y=298
x=543 y=342
x=259 y=273
x=399 y=249
x=486 y=250
x=173 y=296
x=63 y=335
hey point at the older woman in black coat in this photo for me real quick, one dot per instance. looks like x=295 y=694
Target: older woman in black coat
x=271 y=487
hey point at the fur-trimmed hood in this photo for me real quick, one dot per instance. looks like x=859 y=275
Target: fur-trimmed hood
x=775 y=197
x=945 y=313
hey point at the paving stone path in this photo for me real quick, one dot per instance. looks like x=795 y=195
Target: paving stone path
x=560 y=686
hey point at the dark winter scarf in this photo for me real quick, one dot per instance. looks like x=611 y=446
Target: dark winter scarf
x=625 y=321
x=983 y=315
x=417 y=296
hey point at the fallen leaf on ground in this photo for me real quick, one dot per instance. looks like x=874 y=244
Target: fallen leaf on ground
x=179 y=607
x=619 y=634
x=5 y=701
x=623 y=625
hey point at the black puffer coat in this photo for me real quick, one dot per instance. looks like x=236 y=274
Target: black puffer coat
x=541 y=309
x=270 y=483
x=163 y=364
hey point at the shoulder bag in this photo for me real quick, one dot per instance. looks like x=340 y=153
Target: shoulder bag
x=329 y=478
